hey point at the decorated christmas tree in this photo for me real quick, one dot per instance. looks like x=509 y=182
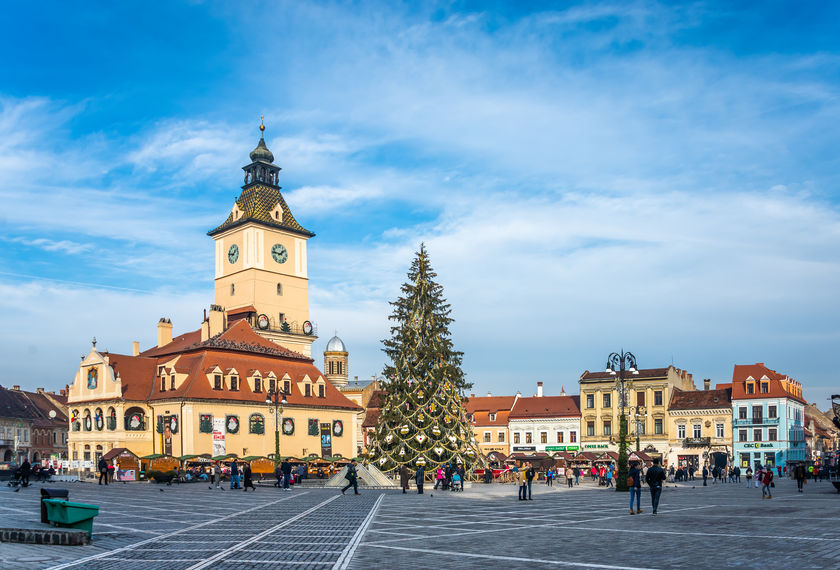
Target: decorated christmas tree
x=423 y=421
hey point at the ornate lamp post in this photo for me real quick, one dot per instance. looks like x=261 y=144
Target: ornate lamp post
x=639 y=415
x=623 y=362
x=278 y=400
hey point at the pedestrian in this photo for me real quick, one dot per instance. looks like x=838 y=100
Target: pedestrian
x=549 y=475
x=799 y=475
x=608 y=476
x=757 y=475
x=103 y=470
x=634 y=483
x=111 y=470
x=570 y=474
x=246 y=473
x=671 y=473
x=577 y=476
x=286 y=468
x=404 y=478
x=462 y=475
x=523 y=485
x=766 y=482
x=748 y=476
x=594 y=472
x=655 y=477
x=530 y=473
x=737 y=474
x=234 y=475
x=278 y=474
x=438 y=478
x=705 y=474
x=351 y=477
x=419 y=478
x=26 y=471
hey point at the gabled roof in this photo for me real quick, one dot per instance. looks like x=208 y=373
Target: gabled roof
x=483 y=418
x=777 y=383
x=256 y=203
x=546 y=407
x=700 y=399
x=489 y=403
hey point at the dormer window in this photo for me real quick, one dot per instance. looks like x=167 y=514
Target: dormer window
x=322 y=391
x=277 y=213
x=492 y=417
x=287 y=387
x=307 y=389
x=234 y=383
x=217 y=382
x=272 y=384
x=750 y=388
x=172 y=382
x=163 y=383
x=765 y=387
x=257 y=384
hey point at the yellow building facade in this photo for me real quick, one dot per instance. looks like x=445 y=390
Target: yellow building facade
x=648 y=396
x=205 y=391
x=700 y=428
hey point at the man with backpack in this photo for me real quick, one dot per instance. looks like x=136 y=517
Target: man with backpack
x=529 y=475
x=351 y=477
x=654 y=478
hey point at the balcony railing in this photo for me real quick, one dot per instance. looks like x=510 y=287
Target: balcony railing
x=756 y=421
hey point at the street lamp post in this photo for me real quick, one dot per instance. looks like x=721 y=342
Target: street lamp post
x=639 y=414
x=278 y=400
x=623 y=362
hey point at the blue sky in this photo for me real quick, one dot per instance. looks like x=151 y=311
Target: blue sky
x=587 y=176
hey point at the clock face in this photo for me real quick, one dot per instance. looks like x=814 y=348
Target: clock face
x=233 y=253
x=279 y=253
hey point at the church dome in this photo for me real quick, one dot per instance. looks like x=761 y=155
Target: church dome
x=261 y=152
x=336 y=345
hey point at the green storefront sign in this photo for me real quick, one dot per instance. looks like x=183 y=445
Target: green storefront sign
x=561 y=448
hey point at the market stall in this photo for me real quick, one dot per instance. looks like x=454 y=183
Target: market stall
x=127 y=464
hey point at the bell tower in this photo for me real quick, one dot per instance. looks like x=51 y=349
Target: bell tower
x=336 y=362
x=260 y=261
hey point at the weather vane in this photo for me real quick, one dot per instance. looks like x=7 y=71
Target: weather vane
x=262 y=125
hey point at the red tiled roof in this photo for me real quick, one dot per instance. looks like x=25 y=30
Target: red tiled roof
x=377 y=399
x=700 y=399
x=178 y=344
x=371 y=418
x=742 y=372
x=137 y=375
x=546 y=407
x=240 y=310
x=489 y=403
x=483 y=418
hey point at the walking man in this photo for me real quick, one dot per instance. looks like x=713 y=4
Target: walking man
x=705 y=474
x=799 y=475
x=103 y=470
x=419 y=476
x=246 y=472
x=655 y=477
x=634 y=480
x=286 y=468
x=351 y=477
x=234 y=475
x=766 y=481
x=749 y=475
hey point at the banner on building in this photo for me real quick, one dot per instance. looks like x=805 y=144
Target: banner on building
x=218 y=436
x=326 y=440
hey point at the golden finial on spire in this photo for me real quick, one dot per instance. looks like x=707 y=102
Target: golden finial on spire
x=262 y=125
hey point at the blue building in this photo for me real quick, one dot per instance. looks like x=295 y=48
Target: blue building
x=768 y=415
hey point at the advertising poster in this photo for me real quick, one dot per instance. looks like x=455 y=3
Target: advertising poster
x=326 y=440
x=126 y=475
x=218 y=436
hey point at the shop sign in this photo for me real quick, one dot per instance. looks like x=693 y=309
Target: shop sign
x=572 y=448
x=524 y=448
x=759 y=445
x=555 y=448
x=595 y=445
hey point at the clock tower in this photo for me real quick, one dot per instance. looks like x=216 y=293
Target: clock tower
x=260 y=259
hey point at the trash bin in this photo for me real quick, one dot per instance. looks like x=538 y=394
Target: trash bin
x=72 y=515
x=51 y=494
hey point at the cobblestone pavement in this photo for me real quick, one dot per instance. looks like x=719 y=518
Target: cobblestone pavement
x=190 y=526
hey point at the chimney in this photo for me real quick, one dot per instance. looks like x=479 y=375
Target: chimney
x=539 y=390
x=164 y=330
x=63 y=392
x=135 y=348
x=16 y=387
x=215 y=322
x=489 y=394
x=707 y=382
x=39 y=390
x=472 y=395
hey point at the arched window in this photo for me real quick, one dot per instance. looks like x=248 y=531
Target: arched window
x=256 y=424
x=135 y=419
x=75 y=421
x=87 y=422
x=98 y=419
x=112 y=418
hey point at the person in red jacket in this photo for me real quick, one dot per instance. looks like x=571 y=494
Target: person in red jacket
x=766 y=480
